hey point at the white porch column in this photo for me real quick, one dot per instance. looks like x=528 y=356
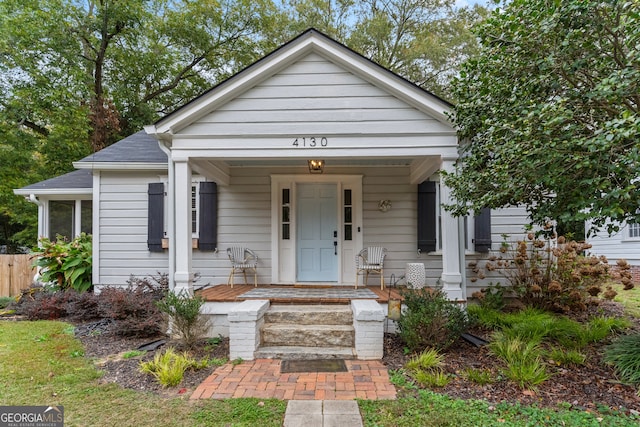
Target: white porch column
x=183 y=277
x=451 y=276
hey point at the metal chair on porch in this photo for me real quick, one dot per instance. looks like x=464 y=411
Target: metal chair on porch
x=371 y=260
x=242 y=259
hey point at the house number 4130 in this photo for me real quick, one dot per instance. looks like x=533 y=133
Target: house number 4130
x=310 y=142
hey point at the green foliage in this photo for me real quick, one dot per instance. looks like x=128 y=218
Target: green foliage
x=479 y=376
x=425 y=369
x=66 y=264
x=564 y=357
x=5 y=301
x=183 y=311
x=491 y=297
x=133 y=353
x=428 y=359
x=169 y=367
x=523 y=359
x=624 y=355
x=527 y=373
x=431 y=377
x=430 y=320
x=426 y=408
x=550 y=110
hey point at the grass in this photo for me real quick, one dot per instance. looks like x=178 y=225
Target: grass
x=429 y=409
x=630 y=299
x=36 y=368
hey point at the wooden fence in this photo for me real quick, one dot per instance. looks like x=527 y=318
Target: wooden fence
x=16 y=273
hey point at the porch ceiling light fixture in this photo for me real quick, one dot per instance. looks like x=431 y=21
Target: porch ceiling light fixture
x=316 y=166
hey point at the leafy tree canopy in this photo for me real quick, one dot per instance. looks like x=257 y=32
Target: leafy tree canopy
x=550 y=112
x=78 y=75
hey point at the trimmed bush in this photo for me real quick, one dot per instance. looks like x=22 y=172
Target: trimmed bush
x=430 y=320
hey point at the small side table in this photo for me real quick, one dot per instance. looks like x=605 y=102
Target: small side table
x=415 y=275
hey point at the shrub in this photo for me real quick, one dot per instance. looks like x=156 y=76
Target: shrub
x=624 y=355
x=491 y=297
x=183 y=311
x=133 y=309
x=84 y=306
x=430 y=320
x=5 y=301
x=66 y=264
x=45 y=305
x=550 y=274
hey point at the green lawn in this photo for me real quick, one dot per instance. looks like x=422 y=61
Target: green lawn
x=41 y=364
x=630 y=299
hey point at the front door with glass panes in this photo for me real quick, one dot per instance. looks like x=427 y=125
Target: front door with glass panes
x=318 y=229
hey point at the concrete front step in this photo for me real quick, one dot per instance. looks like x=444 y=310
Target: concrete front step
x=304 y=353
x=310 y=314
x=277 y=334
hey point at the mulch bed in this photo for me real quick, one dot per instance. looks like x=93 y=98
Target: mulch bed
x=590 y=387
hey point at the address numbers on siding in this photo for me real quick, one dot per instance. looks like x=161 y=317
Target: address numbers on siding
x=310 y=142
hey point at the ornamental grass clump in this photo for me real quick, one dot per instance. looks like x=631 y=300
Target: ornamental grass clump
x=169 y=367
x=624 y=355
x=426 y=369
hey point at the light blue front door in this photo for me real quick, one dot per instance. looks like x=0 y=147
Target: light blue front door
x=317 y=259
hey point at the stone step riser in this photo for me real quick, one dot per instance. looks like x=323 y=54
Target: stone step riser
x=307 y=335
x=310 y=318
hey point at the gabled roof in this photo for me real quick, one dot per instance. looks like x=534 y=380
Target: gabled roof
x=310 y=41
x=138 y=149
x=76 y=182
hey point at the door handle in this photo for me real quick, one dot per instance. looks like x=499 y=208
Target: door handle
x=335 y=242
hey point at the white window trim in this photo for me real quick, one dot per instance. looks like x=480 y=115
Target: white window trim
x=627 y=231
x=76 y=225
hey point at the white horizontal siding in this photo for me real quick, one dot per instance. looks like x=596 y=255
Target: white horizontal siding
x=123 y=228
x=509 y=221
x=315 y=96
x=617 y=246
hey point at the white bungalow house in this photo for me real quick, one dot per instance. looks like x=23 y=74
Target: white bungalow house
x=234 y=167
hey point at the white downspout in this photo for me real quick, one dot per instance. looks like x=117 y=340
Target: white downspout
x=171 y=234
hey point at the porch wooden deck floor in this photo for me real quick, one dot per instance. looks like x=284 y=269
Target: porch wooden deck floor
x=224 y=293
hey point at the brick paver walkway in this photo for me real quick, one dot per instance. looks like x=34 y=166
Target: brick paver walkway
x=261 y=378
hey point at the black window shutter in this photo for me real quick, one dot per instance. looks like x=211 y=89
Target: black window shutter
x=207 y=240
x=427 y=226
x=155 y=216
x=482 y=230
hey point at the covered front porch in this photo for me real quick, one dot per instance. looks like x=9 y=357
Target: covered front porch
x=306 y=157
